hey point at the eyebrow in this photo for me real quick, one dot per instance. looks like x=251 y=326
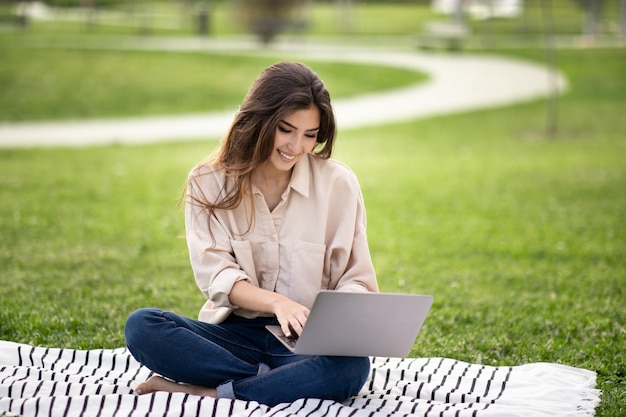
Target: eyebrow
x=293 y=127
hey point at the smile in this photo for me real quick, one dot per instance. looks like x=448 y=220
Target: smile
x=286 y=157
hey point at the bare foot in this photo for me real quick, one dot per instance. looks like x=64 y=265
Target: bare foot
x=156 y=383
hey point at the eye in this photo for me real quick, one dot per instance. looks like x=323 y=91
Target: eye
x=283 y=129
x=311 y=135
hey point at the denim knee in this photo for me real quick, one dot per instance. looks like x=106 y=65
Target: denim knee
x=138 y=326
x=359 y=368
x=350 y=376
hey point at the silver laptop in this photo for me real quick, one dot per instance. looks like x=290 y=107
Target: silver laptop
x=358 y=324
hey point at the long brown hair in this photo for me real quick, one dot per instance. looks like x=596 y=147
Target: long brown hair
x=280 y=90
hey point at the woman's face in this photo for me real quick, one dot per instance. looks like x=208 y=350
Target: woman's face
x=296 y=136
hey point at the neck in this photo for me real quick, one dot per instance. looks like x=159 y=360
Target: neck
x=267 y=174
x=272 y=184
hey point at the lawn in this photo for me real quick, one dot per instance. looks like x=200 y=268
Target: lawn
x=49 y=83
x=519 y=236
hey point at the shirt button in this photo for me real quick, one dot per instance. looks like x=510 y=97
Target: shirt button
x=273 y=238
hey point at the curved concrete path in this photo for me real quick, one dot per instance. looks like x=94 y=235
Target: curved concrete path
x=457 y=83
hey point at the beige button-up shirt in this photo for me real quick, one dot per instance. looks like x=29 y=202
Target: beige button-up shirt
x=314 y=239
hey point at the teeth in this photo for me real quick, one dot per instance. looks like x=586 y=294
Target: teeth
x=286 y=156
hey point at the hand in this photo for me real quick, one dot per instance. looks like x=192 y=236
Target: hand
x=288 y=312
x=291 y=316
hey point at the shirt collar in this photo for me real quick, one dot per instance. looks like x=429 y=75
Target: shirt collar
x=300 y=176
x=299 y=180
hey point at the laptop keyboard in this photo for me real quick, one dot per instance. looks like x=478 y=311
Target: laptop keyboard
x=290 y=341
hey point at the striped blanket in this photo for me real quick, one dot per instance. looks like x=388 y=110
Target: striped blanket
x=37 y=381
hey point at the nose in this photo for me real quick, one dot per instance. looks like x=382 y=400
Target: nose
x=295 y=143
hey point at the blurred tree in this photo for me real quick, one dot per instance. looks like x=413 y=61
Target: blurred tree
x=198 y=15
x=622 y=19
x=346 y=12
x=202 y=17
x=553 y=98
x=268 y=18
x=595 y=23
x=84 y=3
x=593 y=9
x=13 y=12
x=91 y=14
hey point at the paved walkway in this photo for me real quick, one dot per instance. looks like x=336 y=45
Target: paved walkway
x=457 y=83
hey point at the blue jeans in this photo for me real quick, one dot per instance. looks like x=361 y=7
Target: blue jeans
x=240 y=358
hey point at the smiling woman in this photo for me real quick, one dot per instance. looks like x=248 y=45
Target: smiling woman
x=270 y=221
x=44 y=84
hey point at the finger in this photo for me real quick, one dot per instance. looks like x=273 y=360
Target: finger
x=299 y=323
x=288 y=329
x=302 y=319
x=293 y=331
x=295 y=328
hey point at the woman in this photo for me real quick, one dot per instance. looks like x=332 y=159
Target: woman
x=270 y=221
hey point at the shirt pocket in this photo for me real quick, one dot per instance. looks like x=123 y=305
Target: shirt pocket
x=307 y=271
x=242 y=249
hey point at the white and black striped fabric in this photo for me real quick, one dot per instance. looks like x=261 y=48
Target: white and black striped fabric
x=37 y=381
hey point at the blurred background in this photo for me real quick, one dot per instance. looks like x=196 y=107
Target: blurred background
x=427 y=23
x=46 y=47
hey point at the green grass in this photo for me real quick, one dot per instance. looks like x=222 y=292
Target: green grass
x=39 y=84
x=370 y=19
x=519 y=236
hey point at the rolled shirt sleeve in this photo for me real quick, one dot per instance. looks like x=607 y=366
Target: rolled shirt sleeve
x=212 y=258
